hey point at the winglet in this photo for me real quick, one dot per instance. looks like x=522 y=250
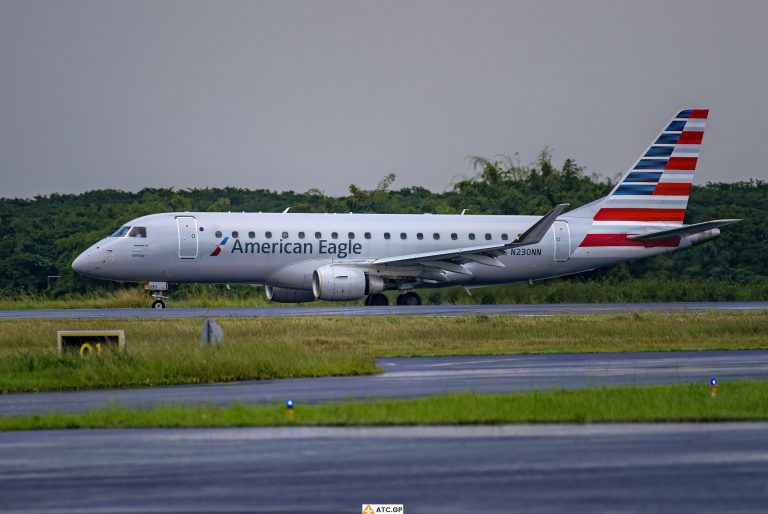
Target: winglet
x=535 y=234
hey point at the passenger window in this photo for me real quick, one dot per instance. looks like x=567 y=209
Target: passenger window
x=472 y=237
x=218 y=233
x=138 y=232
x=252 y=235
x=435 y=236
x=120 y=232
x=487 y=237
x=235 y=234
x=454 y=236
x=301 y=235
x=268 y=234
x=367 y=235
x=285 y=235
x=335 y=235
x=403 y=235
x=504 y=237
x=419 y=236
x=386 y=235
x=318 y=235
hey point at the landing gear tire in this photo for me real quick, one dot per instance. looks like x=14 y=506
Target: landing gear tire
x=377 y=300
x=158 y=304
x=409 y=298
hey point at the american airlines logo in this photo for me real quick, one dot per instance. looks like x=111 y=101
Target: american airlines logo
x=219 y=246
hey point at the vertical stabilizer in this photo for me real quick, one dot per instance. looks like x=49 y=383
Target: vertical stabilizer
x=655 y=190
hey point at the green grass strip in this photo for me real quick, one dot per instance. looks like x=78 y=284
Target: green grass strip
x=740 y=400
x=167 y=351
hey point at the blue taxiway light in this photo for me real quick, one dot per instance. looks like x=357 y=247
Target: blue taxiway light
x=288 y=404
x=713 y=381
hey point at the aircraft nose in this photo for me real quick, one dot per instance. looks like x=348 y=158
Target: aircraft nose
x=80 y=264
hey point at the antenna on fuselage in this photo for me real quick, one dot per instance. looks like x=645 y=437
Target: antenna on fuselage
x=463 y=211
x=286 y=210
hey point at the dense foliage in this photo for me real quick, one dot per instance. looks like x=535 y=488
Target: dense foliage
x=40 y=237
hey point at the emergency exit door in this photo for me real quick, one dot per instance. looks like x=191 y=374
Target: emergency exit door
x=187 y=226
x=562 y=241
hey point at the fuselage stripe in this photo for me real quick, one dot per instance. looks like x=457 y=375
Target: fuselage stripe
x=640 y=214
x=597 y=240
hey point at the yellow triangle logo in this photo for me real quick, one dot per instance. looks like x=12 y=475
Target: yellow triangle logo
x=368 y=510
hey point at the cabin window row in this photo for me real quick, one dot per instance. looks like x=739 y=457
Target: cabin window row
x=367 y=235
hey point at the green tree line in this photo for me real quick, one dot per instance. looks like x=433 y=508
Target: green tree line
x=39 y=237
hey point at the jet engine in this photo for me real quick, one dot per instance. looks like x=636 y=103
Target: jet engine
x=285 y=295
x=344 y=283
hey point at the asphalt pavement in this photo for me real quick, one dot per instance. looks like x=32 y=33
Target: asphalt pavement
x=681 y=468
x=424 y=376
x=420 y=310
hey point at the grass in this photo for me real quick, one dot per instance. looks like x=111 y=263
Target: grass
x=742 y=400
x=137 y=298
x=166 y=352
x=557 y=290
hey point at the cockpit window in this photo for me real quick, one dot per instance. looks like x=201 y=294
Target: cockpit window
x=121 y=232
x=138 y=232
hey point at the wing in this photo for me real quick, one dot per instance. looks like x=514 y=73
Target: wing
x=452 y=259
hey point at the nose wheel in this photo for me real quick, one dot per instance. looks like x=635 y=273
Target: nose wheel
x=157 y=292
x=159 y=302
x=409 y=298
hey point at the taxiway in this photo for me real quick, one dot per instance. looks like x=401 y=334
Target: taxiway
x=424 y=376
x=668 y=467
x=420 y=310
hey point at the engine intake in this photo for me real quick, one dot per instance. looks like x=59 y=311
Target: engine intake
x=343 y=283
x=286 y=295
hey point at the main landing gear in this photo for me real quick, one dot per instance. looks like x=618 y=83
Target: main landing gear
x=409 y=298
x=379 y=300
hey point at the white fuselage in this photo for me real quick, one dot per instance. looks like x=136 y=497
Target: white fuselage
x=284 y=249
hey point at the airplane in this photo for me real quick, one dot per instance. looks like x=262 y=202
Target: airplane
x=306 y=257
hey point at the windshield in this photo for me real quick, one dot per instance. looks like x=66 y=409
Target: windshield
x=138 y=232
x=121 y=232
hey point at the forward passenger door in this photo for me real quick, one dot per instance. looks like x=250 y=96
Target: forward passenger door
x=187 y=227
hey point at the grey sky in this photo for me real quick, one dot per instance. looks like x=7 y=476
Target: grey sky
x=300 y=94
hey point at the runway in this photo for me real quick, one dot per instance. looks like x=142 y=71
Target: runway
x=684 y=468
x=423 y=376
x=421 y=310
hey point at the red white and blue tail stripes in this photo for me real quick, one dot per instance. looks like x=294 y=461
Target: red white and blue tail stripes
x=655 y=189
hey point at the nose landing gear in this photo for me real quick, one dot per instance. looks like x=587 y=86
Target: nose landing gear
x=160 y=299
x=158 y=289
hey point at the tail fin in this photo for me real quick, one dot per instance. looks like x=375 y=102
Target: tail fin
x=656 y=188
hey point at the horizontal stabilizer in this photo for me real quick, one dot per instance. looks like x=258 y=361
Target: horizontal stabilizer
x=687 y=230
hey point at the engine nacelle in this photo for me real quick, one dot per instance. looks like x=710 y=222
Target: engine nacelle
x=344 y=283
x=285 y=295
